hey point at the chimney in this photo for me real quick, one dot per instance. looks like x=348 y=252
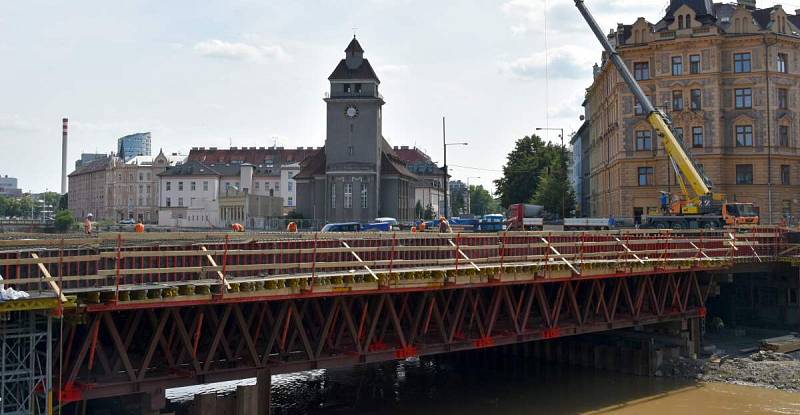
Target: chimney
x=64 y=128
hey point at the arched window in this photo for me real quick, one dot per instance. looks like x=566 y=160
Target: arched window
x=688 y=21
x=680 y=22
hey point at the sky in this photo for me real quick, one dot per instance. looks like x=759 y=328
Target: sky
x=250 y=73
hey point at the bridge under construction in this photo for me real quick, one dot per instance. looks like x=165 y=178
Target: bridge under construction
x=134 y=314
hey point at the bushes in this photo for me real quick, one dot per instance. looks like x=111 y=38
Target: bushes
x=64 y=221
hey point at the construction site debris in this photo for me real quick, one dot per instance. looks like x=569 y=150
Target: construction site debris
x=7 y=294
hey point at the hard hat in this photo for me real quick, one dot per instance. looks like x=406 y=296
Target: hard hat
x=89 y=215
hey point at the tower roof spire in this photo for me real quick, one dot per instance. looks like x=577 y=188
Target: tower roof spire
x=354 y=46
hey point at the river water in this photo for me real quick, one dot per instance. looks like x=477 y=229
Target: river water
x=506 y=385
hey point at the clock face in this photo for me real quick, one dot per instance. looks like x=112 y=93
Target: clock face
x=351 y=112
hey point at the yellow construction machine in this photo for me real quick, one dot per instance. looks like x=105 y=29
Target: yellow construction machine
x=699 y=209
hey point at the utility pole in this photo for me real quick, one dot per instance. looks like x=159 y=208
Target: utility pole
x=563 y=168
x=446 y=174
x=446 y=170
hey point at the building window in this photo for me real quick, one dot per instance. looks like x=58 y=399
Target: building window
x=358 y=88
x=348 y=195
x=645 y=176
x=277 y=186
x=744 y=98
x=289 y=185
x=290 y=201
x=783 y=136
x=744 y=174
x=363 y=195
x=783 y=59
x=644 y=140
x=641 y=71
x=180 y=201
x=257 y=185
x=696 y=100
x=694 y=63
x=333 y=195
x=680 y=22
x=141 y=177
x=169 y=185
x=678 y=131
x=688 y=21
x=638 y=109
x=677 y=100
x=169 y=202
x=205 y=186
x=786 y=174
x=783 y=98
x=744 y=136
x=180 y=186
x=741 y=62
x=348 y=88
x=677 y=65
x=193 y=186
x=697 y=137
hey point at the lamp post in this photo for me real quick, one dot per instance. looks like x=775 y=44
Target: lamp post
x=444 y=147
x=563 y=165
x=469 y=195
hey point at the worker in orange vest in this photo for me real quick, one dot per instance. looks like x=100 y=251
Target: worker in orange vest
x=292 y=227
x=444 y=227
x=422 y=226
x=138 y=228
x=87 y=224
x=237 y=227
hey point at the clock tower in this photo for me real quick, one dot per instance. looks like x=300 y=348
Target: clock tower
x=353 y=145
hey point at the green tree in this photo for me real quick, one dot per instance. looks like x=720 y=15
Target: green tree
x=457 y=205
x=481 y=201
x=428 y=213
x=418 y=211
x=63 y=202
x=64 y=221
x=523 y=169
x=555 y=191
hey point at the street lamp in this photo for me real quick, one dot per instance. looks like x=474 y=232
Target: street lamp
x=564 y=166
x=469 y=195
x=444 y=147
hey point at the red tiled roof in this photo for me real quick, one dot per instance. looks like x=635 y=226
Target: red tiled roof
x=252 y=155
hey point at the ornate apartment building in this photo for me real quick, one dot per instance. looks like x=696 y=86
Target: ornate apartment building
x=112 y=189
x=728 y=75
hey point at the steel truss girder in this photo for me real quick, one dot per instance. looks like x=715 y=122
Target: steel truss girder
x=123 y=352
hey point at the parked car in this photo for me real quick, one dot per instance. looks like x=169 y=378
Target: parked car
x=342 y=227
x=127 y=222
x=393 y=223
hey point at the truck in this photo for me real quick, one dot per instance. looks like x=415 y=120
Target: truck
x=525 y=217
x=585 y=224
x=699 y=209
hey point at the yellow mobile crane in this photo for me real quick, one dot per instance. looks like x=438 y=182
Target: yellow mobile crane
x=704 y=209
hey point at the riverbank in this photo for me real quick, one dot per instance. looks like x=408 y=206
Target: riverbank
x=733 y=357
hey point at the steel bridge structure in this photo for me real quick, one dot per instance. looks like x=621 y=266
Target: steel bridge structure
x=145 y=312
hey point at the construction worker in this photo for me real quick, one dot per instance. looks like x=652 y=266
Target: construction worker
x=444 y=226
x=422 y=226
x=291 y=228
x=237 y=227
x=138 y=228
x=87 y=224
x=664 y=202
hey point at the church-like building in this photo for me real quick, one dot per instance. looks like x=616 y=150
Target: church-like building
x=357 y=176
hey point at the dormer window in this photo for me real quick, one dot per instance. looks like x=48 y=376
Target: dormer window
x=680 y=22
x=688 y=21
x=358 y=88
x=348 y=88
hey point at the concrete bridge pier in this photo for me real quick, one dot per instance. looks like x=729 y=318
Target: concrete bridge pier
x=247 y=400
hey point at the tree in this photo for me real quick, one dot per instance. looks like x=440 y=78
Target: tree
x=418 y=211
x=457 y=196
x=555 y=191
x=64 y=221
x=481 y=201
x=63 y=202
x=428 y=213
x=523 y=169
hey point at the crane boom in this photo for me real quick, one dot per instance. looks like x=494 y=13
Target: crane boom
x=657 y=120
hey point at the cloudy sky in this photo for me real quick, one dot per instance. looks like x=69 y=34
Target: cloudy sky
x=250 y=72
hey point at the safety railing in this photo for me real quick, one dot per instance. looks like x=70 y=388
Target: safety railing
x=221 y=262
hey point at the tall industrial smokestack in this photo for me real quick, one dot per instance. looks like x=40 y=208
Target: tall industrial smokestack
x=64 y=124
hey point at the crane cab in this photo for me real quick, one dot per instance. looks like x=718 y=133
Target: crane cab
x=735 y=214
